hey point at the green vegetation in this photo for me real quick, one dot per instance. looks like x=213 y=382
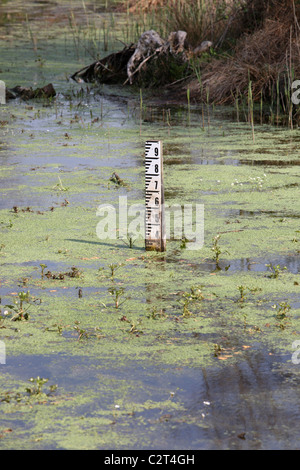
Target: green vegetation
x=139 y=344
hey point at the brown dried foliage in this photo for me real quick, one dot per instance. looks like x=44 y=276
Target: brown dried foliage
x=269 y=57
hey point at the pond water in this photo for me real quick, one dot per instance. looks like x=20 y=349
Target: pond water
x=175 y=350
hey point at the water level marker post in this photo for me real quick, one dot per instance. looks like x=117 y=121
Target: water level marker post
x=155 y=229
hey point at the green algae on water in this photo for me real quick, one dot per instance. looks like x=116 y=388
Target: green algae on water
x=121 y=369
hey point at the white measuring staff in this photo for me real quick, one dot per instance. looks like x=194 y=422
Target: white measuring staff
x=155 y=231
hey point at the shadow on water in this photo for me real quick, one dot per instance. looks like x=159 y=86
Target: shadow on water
x=119 y=243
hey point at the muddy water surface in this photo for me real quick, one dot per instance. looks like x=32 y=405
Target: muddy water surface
x=140 y=350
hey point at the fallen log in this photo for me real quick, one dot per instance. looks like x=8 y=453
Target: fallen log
x=28 y=93
x=110 y=69
x=151 y=62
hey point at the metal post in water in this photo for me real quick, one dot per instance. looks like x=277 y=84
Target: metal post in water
x=155 y=230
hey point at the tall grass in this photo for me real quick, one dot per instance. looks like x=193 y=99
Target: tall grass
x=250 y=108
x=201 y=19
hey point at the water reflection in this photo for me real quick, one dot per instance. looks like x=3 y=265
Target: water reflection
x=233 y=266
x=250 y=404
